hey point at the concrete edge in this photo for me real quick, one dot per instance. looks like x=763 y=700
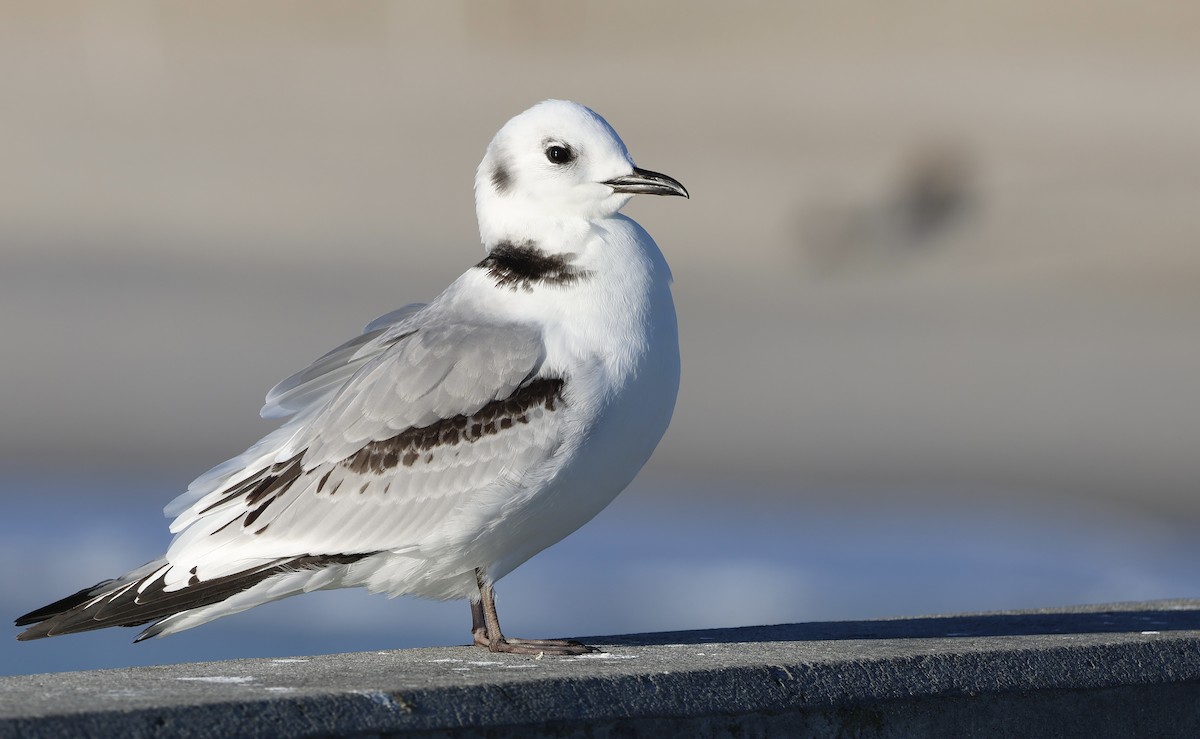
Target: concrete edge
x=1096 y=668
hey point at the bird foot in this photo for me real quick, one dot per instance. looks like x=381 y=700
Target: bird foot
x=552 y=647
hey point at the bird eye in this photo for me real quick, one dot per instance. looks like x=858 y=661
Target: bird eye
x=560 y=154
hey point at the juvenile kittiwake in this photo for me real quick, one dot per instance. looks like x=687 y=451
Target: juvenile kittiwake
x=453 y=440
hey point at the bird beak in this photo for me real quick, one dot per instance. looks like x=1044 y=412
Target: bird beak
x=645 y=182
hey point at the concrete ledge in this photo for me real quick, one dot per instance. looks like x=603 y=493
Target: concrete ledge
x=1129 y=669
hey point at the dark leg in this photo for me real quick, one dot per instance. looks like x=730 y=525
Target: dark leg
x=479 y=632
x=485 y=630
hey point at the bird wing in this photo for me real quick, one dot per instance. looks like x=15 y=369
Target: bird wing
x=300 y=395
x=438 y=414
x=323 y=377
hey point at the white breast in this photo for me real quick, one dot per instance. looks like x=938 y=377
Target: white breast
x=614 y=337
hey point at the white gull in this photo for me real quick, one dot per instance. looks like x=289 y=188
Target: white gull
x=454 y=440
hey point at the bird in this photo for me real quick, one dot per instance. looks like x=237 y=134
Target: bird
x=452 y=440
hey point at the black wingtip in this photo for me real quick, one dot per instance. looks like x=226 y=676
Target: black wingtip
x=60 y=606
x=117 y=603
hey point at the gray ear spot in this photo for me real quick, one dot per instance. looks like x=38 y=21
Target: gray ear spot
x=501 y=179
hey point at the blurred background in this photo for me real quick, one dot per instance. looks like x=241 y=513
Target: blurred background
x=938 y=287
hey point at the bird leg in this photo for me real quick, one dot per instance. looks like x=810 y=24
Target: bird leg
x=485 y=629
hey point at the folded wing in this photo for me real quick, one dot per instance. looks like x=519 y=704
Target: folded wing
x=396 y=455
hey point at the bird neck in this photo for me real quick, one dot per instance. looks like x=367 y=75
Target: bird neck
x=518 y=223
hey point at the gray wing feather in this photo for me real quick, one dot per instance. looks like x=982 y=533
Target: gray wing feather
x=300 y=396
x=440 y=371
x=437 y=373
x=387 y=320
x=321 y=378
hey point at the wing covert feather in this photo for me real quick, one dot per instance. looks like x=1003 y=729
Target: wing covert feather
x=418 y=431
x=299 y=396
x=320 y=379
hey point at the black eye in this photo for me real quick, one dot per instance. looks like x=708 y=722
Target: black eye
x=560 y=154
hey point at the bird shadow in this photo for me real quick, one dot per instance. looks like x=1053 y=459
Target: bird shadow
x=1138 y=618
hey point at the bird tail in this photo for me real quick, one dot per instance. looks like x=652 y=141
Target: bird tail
x=140 y=597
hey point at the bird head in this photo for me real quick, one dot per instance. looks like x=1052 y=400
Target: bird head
x=558 y=162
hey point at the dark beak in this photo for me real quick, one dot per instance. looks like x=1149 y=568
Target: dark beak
x=645 y=182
